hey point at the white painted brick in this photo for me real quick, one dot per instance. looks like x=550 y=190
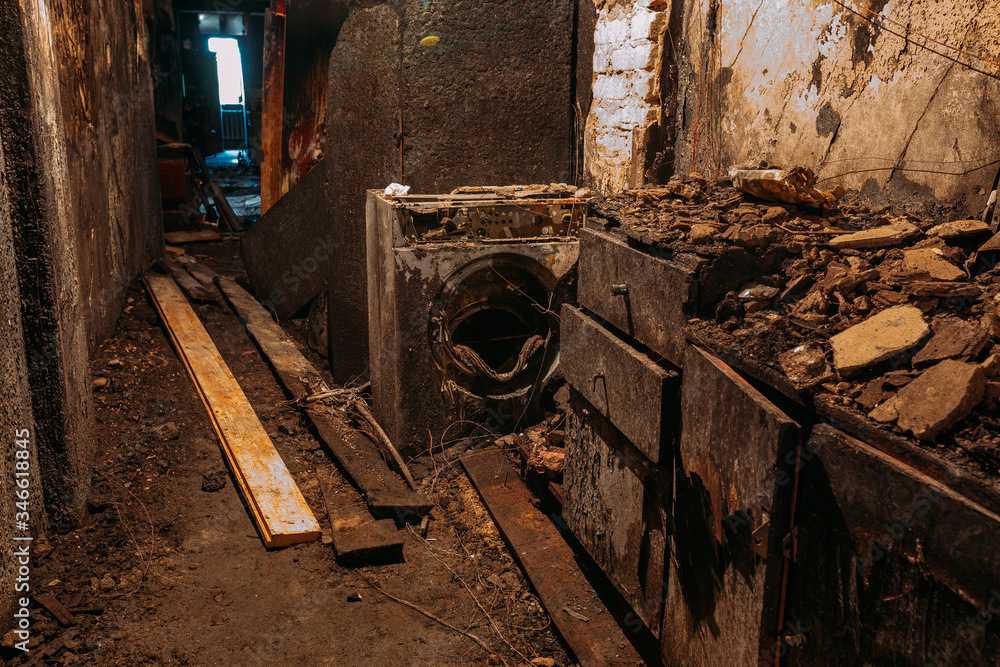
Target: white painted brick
x=632 y=57
x=612 y=31
x=642 y=24
x=602 y=58
x=615 y=87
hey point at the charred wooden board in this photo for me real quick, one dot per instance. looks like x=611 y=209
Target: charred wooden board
x=385 y=492
x=616 y=504
x=194 y=289
x=975 y=486
x=548 y=563
x=357 y=537
x=895 y=569
x=660 y=293
x=734 y=475
x=621 y=382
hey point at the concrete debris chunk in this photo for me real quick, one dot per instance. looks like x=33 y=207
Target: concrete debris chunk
x=699 y=234
x=880 y=237
x=939 y=398
x=959 y=229
x=885 y=412
x=805 y=365
x=878 y=338
x=957 y=339
x=928 y=261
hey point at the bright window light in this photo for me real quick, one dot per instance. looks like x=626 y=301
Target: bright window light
x=227 y=53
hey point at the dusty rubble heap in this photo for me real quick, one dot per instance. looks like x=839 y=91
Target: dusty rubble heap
x=891 y=313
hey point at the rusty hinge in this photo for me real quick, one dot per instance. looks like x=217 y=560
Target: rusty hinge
x=791 y=544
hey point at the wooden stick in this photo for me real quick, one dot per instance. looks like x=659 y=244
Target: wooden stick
x=430 y=615
x=278 y=508
x=362 y=409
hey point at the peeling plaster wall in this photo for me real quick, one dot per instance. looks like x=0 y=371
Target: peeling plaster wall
x=812 y=83
x=625 y=114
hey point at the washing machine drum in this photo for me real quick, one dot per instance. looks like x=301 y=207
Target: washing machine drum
x=490 y=327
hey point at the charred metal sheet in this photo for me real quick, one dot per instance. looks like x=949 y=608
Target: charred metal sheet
x=617 y=504
x=549 y=564
x=897 y=568
x=734 y=474
x=659 y=297
x=621 y=382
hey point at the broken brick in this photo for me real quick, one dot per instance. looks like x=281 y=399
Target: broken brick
x=928 y=261
x=880 y=237
x=878 y=338
x=957 y=339
x=939 y=398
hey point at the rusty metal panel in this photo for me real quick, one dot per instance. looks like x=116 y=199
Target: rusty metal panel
x=895 y=567
x=733 y=483
x=621 y=382
x=549 y=564
x=658 y=295
x=616 y=504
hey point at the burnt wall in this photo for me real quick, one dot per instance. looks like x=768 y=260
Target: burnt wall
x=108 y=115
x=15 y=408
x=311 y=31
x=857 y=91
x=80 y=218
x=490 y=101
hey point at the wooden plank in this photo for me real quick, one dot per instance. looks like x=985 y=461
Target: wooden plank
x=385 y=492
x=734 y=475
x=200 y=272
x=191 y=237
x=174 y=252
x=896 y=568
x=616 y=504
x=55 y=607
x=278 y=508
x=357 y=537
x=194 y=289
x=621 y=382
x=661 y=292
x=549 y=564
x=274 y=104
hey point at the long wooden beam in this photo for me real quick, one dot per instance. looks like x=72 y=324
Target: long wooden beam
x=548 y=562
x=276 y=504
x=384 y=491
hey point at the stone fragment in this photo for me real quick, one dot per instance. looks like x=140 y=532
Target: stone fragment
x=959 y=229
x=927 y=261
x=880 y=237
x=991 y=366
x=885 y=412
x=701 y=234
x=940 y=398
x=957 y=339
x=774 y=216
x=758 y=293
x=878 y=338
x=680 y=189
x=805 y=365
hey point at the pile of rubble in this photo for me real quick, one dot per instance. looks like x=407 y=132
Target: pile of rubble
x=891 y=313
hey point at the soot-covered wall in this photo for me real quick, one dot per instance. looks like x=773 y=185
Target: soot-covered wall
x=854 y=90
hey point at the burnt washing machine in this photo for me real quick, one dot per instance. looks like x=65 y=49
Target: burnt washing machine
x=464 y=292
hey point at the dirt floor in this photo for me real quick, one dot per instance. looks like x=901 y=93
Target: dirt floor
x=169 y=570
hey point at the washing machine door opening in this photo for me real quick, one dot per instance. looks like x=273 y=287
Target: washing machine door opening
x=490 y=326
